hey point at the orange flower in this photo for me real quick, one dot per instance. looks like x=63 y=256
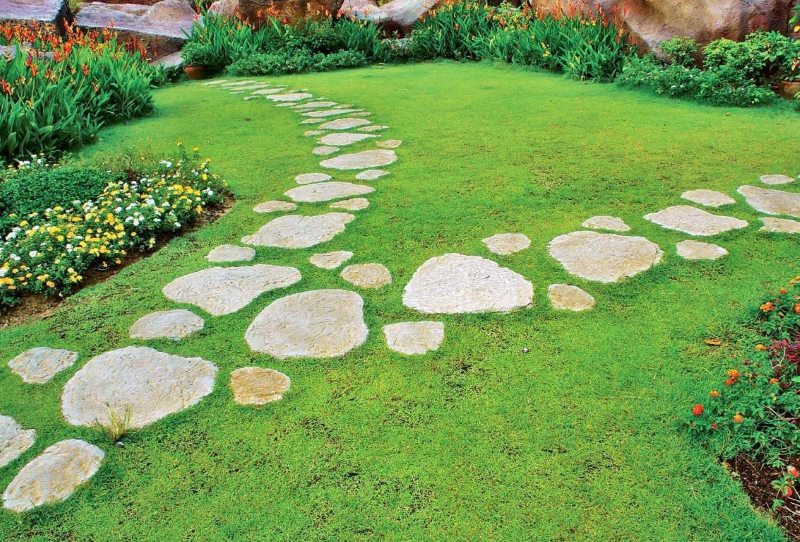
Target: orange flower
x=773 y=381
x=793 y=471
x=760 y=347
x=714 y=394
x=797 y=308
x=697 y=410
x=769 y=306
x=733 y=373
x=738 y=418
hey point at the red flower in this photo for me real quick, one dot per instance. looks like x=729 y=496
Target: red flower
x=697 y=410
x=6 y=88
x=85 y=70
x=793 y=471
x=769 y=306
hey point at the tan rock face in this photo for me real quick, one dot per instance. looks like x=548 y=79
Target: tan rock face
x=770 y=201
x=330 y=260
x=318 y=192
x=569 y=298
x=605 y=222
x=275 y=206
x=361 y=160
x=257 y=386
x=507 y=243
x=309 y=178
x=367 y=275
x=342 y=139
x=695 y=250
x=324 y=150
x=779 y=225
x=371 y=174
x=355 y=204
x=231 y=253
x=776 y=179
x=414 y=338
x=694 y=221
x=296 y=231
x=709 y=198
x=175 y=324
x=14 y=440
x=39 y=365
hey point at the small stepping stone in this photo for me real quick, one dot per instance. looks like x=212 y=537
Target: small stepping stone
x=237 y=84
x=214 y=82
x=605 y=222
x=225 y=290
x=604 y=257
x=257 y=386
x=312 y=133
x=455 y=284
x=361 y=160
x=318 y=192
x=371 y=174
x=779 y=225
x=231 y=253
x=290 y=97
x=53 y=476
x=330 y=260
x=709 y=198
x=312 y=121
x=308 y=178
x=414 y=338
x=344 y=124
x=564 y=297
x=695 y=250
x=297 y=231
x=256 y=86
x=771 y=202
x=14 y=440
x=341 y=139
x=315 y=324
x=248 y=98
x=39 y=365
x=282 y=104
x=135 y=381
x=275 y=207
x=694 y=221
x=372 y=128
x=367 y=275
x=314 y=105
x=355 y=204
x=267 y=91
x=175 y=324
x=362 y=114
x=325 y=150
x=505 y=244
x=324 y=113
x=389 y=143
x=776 y=179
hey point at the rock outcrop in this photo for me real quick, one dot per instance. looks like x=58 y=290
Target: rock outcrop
x=255 y=11
x=44 y=11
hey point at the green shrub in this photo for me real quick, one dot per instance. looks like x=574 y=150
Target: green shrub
x=681 y=51
x=761 y=57
x=297 y=61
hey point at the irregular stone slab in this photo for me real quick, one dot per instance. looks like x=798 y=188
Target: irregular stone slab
x=14 y=440
x=324 y=151
x=225 y=290
x=367 y=275
x=314 y=105
x=238 y=84
x=371 y=174
x=308 y=178
x=290 y=97
x=330 y=260
x=39 y=365
x=137 y=381
x=53 y=476
x=231 y=253
x=564 y=297
x=312 y=121
x=361 y=160
x=455 y=283
x=372 y=128
x=297 y=231
x=709 y=198
x=694 y=221
x=315 y=324
x=779 y=225
x=776 y=179
x=26 y=11
x=361 y=114
x=605 y=222
x=389 y=143
x=695 y=250
x=311 y=133
x=604 y=257
x=255 y=86
x=414 y=338
x=323 y=113
x=313 y=193
x=341 y=139
x=507 y=243
x=175 y=324
x=275 y=207
x=257 y=386
x=771 y=202
x=267 y=91
x=355 y=204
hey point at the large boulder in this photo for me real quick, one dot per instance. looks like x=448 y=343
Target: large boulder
x=288 y=11
x=397 y=15
x=28 y=11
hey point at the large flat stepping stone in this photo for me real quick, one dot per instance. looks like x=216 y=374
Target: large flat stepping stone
x=314 y=105
x=318 y=192
x=455 y=284
x=14 y=440
x=137 y=381
x=564 y=297
x=275 y=207
x=312 y=133
x=225 y=290
x=373 y=128
x=709 y=198
x=316 y=324
x=694 y=221
x=771 y=202
x=298 y=231
x=266 y=91
x=341 y=139
x=355 y=204
x=174 y=324
x=779 y=225
x=346 y=123
x=324 y=150
x=231 y=253
x=605 y=222
x=361 y=160
x=776 y=179
x=290 y=97
x=505 y=244
x=324 y=113
x=696 y=250
x=414 y=338
x=389 y=143
x=604 y=257
x=309 y=178
x=26 y=11
x=330 y=260
x=367 y=275
x=257 y=386
x=53 y=476
x=371 y=174
x=39 y=365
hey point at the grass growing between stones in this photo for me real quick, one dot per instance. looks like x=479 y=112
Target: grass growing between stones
x=577 y=439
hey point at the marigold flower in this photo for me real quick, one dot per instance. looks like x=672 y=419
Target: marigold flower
x=760 y=347
x=697 y=410
x=797 y=308
x=769 y=306
x=738 y=418
x=773 y=380
x=733 y=373
x=714 y=394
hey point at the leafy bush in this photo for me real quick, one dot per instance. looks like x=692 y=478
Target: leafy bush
x=681 y=51
x=299 y=61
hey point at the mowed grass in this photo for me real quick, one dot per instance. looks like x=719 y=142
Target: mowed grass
x=580 y=438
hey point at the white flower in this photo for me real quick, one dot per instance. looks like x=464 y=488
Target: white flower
x=33 y=253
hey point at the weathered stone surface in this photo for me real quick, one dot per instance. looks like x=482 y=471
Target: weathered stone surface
x=312 y=133
x=604 y=257
x=394 y=15
x=779 y=225
x=694 y=221
x=289 y=97
x=569 y=298
x=695 y=250
x=776 y=179
x=361 y=160
x=231 y=253
x=414 y=338
x=367 y=275
x=290 y=11
x=317 y=192
x=507 y=243
x=389 y=143
x=709 y=198
x=324 y=113
x=309 y=178
x=316 y=324
x=14 y=440
x=371 y=174
x=297 y=231
x=324 y=150
x=605 y=222
x=275 y=207
x=25 y=11
x=225 y=290
x=330 y=260
x=373 y=128
x=39 y=365
x=455 y=283
x=267 y=91
x=175 y=324
x=137 y=381
x=257 y=386
x=239 y=84
x=53 y=476
x=344 y=124
x=355 y=204
x=770 y=201
x=341 y=139
x=314 y=105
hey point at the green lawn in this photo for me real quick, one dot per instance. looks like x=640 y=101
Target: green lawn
x=578 y=439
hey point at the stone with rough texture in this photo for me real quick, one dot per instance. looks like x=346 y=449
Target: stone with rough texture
x=373 y=128
x=175 y=324
x=225 y=290
x=605 y=222
x=314 y=105
x=14 y=440
x=27 y=11
x=341 y=139
x=361 y=160
x=455 y=283
x=371 y=174
x=315 y=324
x=604 y=257
x=694 y=221
x=771 y=202
x=266 y=91
x=231 y=253
x=776 y=179
x=709 y=198
x=414 y=338
x=309 y=178
x=389 y=143
x=297 y=231
x=779 y=225
x=39 y=365
x=288 y=11
x=312 y=133
x=53 y=476
x=324 y=150
x=367 y=275
x=696 y=250
x=138 y=382
x=396 y=15
x=355 y=204
x=330 y=260
x=564 y=297
x=318 y=192
x=258 y=386
x=324 y=113
x=345 y=123
x=507 y=243
x=275 y=206
x=289 y=97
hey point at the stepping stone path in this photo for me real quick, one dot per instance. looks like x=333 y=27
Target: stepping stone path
x=14 y=440
x=314 y=105
x=367 y=275
x=779 y=225
x=355 y=204
x=330 y=260
x=341 y=139
x=695 y=250
x=324 y=113
x=290 y=97
x=694 y=221
x=605 y=222
x=709 y=198
x=231 y=253
x=414 y=338
x=175 y=324
x=137 y=381
x=325 y=151
x=564 y=297
x=776 y=179
x=389 y=144
x=361 y=160
x=371 y=174
x=267 y=91
x=225 y=290
x=372 y=128
x=318 y=192
x=297 y=231
x=507 y=243
x=275 y=207
x=256 y=386
x=315 y=324
x=771 y=202
x=39 y=365
x=309 y=178
x=346 y=123
x=455 y=284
